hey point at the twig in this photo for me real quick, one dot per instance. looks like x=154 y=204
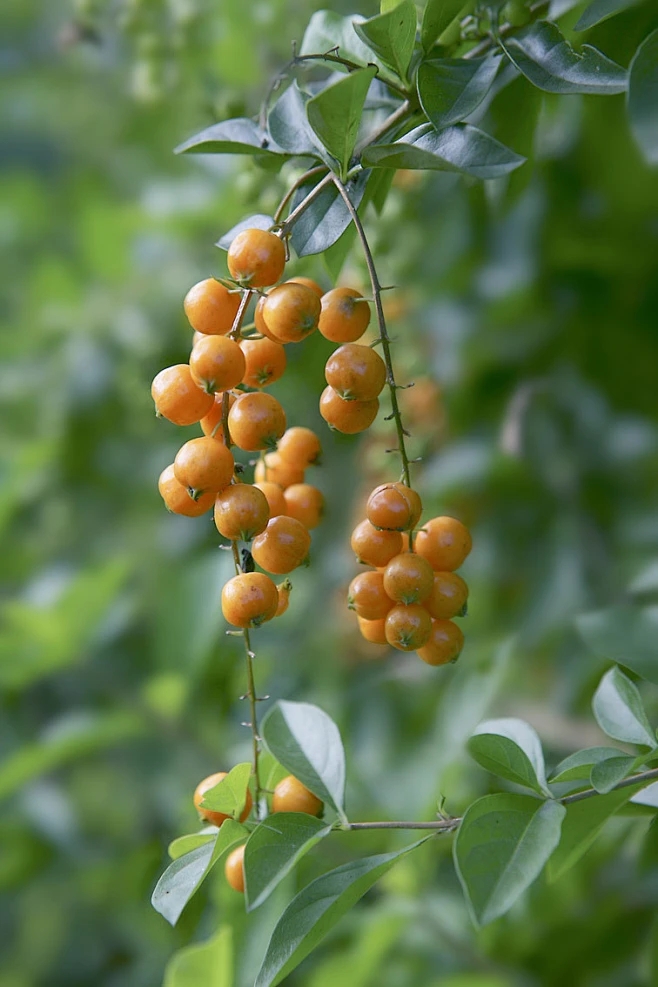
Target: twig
x=311 y=173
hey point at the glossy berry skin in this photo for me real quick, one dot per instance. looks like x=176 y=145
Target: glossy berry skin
x=291 y=312
x=217 y=363
x=249 y=599
x=204 y=465
x=356 y=373
x=445 y=542
x=373 y=546
x=241 y=512
x=177 y=498
x=448 y=597
x=265 y=362
x=299 y=446
x=210 y=815
x=274 y=495
x=178 y=397
x=284 y=590
x=211 y=308
x=345 y=315
x=305 y=503
x=444 y=644
x=274 y=469
x=393 y=507
x=283 y=545
x=408 y=627
x=373 y=630
x=367 y=596
x=291 y=796
x=212 y=422
x=259 y=320
x=308 y=283
x=256 y=258
x=234 y=868
x=408 y=578
x=256 y=421
x=349 y=417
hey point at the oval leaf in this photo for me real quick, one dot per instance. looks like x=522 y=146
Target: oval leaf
x=274 y=848
x=511 y=749
x=619 y=712
x=239 y=136
x=643 y=97
x=230 y=794
x=288 y=124
x=437 y=16
x=210 y=963
x=578 y=766
x=177 y=848
x=600 y=10
x=335 y=114
x=451 y=88
x=391 y=36
x=625 y=634
x=327 y=218
x=609 y=772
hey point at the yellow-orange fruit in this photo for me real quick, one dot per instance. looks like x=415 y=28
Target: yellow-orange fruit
x=367 y=596
x=445 y=542
x=408 y=627
x=373 y=630
x=448 y=597
x=299 y=446
x=291 y=796
x=408 y=578
x=217 y=363
x=282 y=546
x=308 y=283
x=204 y=465
x=241 y=511
x=178 y=398
x=356 y=373
x=211 y=308
x=256 y=258
x=348 y=417
x=444 y=644
x=291 y=312
x=305 y=503
x=373 y=546
x=210 y=815
x=256 y=421
x=393 y=507
x=345 y=315
x=272 y=468
x=249 y=599
x=259 y=320
x=177 y=498
x=283 y=589
x=274 y=495
x=234 y=868
x=265 y=362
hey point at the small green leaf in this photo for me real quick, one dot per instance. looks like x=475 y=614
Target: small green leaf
x=387 y=5
x=391 y=36
x=625 y=634
x=239 y=136
x=578 y=766
x=288 y=125
x=327 y=218
x=600 y=10
x=450 y=89
x=230 y=794
x=328 y=30
x=609 y=772
x=316 y=910
x=436 y=17
x=209 y=963
x=643 y=97
x=183 y=844
x=619 y=712
x=274 y=848
x=335 y=114
x=501 y=847
x=259 y=221
x=511 y=749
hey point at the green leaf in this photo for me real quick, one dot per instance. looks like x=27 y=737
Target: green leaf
x=185 y=875
x=609 y=772
x=316 y=910
x=619 y=712
x=327 y=218
x=259 y=221
x=387 y=5
x=600 y=10
x=460 y=148
x=334 y=257
x=578 y=766
x=436 y=17
x=547 y=60
x=230 y=794
x=239 y=136
x=306 y=741
x=392 y=36
x=511 y=749
x=274 y=848
x=625 y=634
x=288 y=125
x=450 y=89
x=183 y=844
x=643 y=97
x=335 y=114
x=500 y=849
x=327 y=30
x=210 y=963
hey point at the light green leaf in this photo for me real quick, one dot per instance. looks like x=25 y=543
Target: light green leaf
x=578 y=766
x=387 y=5
x=511 y=749
x=183 y=844
x=600 y=10
x=239 y=136
x=210 y=963
x=335 y=114
x=619 y=712
x=436 y=17
x=288 y=124
x=609 y=772
x=625 y=634
x=230 y=794
x=391 y=36
x=274 y=848
x=643 y=97
x=450 y=89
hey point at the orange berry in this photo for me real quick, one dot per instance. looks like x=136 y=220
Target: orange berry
x=444 y=542
x=308 y=283
x=274 y=469
x=282 y=546
x=210 y=815
x=217 y=363
x=348 y=417
x=443 y=645
x=448 y=597
x=367 y=596
x=249 y=599
x=178 y=398
x=234 y=868
x=210 y=422
x=299 y=446
x=373 y=630
x=274 y=496
x=265 y=361
x=408 y=578
x=284 y=590
x=305 y=503
x=241 y=511
x=211 y=308
x=291 y=312
x=256 y=421
x=393 y=507
x=356 y=373
x=345 y=315
x=259 y=319
x=196 y=336
x=408 y=627
x=291 y=796
x=375 y=547
x=177 y=499
x=256 y=258
x=204 y=465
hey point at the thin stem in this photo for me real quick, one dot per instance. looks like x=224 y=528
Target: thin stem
x=251 y=695
x=305 y=203
x=503 y=31
x=589 y=793
x=311 y=173
x=398 y=115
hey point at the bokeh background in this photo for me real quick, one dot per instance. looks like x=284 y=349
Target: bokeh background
x=527 y=317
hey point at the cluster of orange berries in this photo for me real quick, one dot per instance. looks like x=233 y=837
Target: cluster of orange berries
x=288 y=796
x=409 y=597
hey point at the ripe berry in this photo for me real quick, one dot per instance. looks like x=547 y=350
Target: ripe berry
x=299 y=446
x=408 y=627
x=249 y=599
x=443 y=645
x=177 y=498
x=259 y=319
x=282 y=546
x=345 y=315
x=408 y=578
x=305 y=503
x=375 y=547
x=273 y=468
x=448 y=597
x=256 y=258
x=356 y=373
x=234 y=868
x=291 y=312
x=211 y=815
x=393 y=507
x=212 y=422
x=284 y=590
x=373 y=630
x=241 y=511
x=291 y=796
x=265 y=362
x=308 y=283
x=178 y=398
x=348 y=417
x=211 y=308
x=367 y=596
x=217 y=363
x=444 y=542
x=256 y=421
x=274 y=496
x=204 y=466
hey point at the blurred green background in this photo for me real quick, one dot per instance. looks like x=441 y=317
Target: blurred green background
x=532 y=307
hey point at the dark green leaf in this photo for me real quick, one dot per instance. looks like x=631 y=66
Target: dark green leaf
x=317 y=909
x=547 y=59
x=391 y=36
x=183 y=844
x=230 y=794
x=608 y=773
x=643 y=97
x=511 y=749
x=259 y=221
x=335 y=114
x=326 y=219
x=436 y=17
x=274 y=848
x=288 y=125
x=578 y=766
x=600 y=10
x=619 y=712
x=209 y=963
x=327 y=29
x=335 y=256
x=625 y=634
x=239 y=136
x=450 y=89
x=501 y=847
